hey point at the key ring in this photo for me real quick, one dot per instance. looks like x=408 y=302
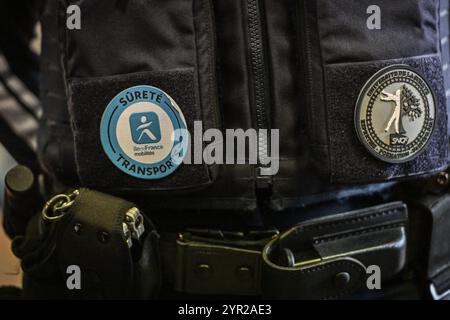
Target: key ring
x=64 y=206
x=56 y=208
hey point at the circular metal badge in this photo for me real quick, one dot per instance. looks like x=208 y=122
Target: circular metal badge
x=144 y=133
x=395 y=114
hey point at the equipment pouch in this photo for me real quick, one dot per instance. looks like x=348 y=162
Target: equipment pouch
x=332 y=257
x=374 y=84
x=89 y=245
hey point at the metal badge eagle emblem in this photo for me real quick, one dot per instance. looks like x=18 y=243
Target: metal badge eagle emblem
x=395 y=114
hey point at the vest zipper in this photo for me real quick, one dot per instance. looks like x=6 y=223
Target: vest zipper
x=259 y=81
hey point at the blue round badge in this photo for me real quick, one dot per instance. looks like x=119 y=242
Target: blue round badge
x=144 y=133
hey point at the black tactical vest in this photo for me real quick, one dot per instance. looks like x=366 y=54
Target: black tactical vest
x=297 y=66
x=314 y=69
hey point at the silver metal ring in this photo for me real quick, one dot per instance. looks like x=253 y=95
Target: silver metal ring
x=63 y=206
x=58 y=201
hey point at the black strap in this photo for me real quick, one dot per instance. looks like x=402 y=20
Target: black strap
x=324 y=258
x=327 y=258
x=328 y=280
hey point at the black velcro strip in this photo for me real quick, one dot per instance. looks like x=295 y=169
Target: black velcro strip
x=353 y=164
x=88 y=100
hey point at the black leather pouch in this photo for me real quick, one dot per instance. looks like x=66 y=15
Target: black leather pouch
x=92 y=237
x=341 y=53
x=333 y=257
x=86 y=253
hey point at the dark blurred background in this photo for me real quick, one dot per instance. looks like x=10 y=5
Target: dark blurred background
x=19 y=84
